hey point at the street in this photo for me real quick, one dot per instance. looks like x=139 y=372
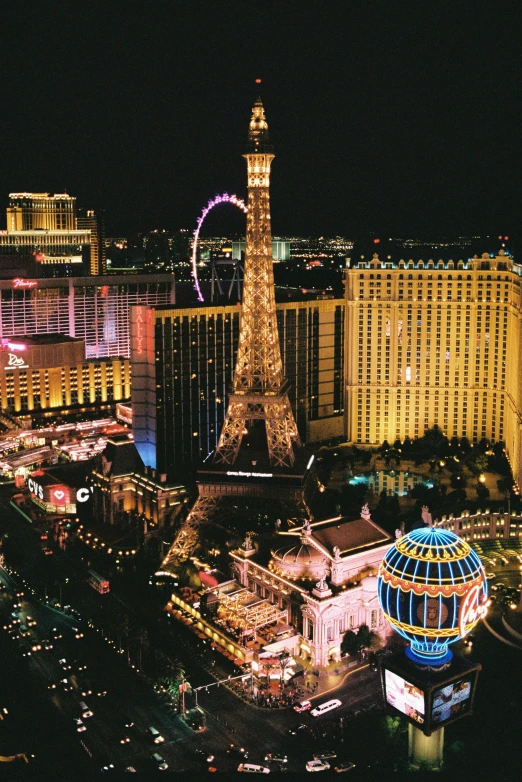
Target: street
x=230 y=720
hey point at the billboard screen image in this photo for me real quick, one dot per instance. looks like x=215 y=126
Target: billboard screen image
x=450 y=701
x=405 y=697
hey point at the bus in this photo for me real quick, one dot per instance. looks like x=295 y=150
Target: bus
x=99 y=583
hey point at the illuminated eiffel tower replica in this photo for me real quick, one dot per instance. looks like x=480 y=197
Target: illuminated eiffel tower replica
x=259 y=455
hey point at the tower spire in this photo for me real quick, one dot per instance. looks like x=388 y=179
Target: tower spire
x=259 y=390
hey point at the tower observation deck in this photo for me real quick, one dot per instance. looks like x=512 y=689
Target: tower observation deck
x=259 y=453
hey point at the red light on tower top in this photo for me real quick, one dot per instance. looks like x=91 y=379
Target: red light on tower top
x=258 y=81
x=376 y=241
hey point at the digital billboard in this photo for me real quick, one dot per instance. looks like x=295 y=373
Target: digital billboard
x=451 y=701
x=427 y=697
x=404 y=696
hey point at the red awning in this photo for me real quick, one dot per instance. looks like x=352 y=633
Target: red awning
x=208 y=578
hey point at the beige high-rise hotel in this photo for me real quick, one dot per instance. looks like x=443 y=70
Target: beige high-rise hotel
x=434 y=342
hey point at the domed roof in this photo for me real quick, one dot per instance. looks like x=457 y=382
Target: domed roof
x=299 y=554
x=369 y=584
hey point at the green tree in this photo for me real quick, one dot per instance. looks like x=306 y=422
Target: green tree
x=480 y=464
x=285 y=659
x=434 y=441
x=350 y=643
x=458 y=481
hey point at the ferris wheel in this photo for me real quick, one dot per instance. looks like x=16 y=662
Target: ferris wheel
x=224 y=198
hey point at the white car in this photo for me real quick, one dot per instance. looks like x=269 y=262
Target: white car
x=252 y=768
x=303 y=706
x=317 y=765
x=80 y=727
x=324 y=708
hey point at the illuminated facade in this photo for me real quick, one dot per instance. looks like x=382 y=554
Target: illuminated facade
x=427 y=343
x=179 y=402
x=280 y=250
x=122 y=485
x=348 y=554
x=95 y=310
x=41 y=211
x=38 y=253
x=46 y=372
x=483 y=525
x=88 y=220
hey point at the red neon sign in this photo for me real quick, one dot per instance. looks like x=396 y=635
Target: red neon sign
x=19 y=282
x=471 y=610
x=61 y=496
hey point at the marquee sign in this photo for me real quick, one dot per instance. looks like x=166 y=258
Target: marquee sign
x=59 y=497
x=15 y=362
x=19 y=282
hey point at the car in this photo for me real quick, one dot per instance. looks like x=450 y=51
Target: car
x=15 y=619
x=77 y=633
x=325 y=707
x=55 y=634
x=317 y=765
x=30 y=621
x=24 y=631
x=162 y=764
x=52 y=685
x=325 y=755
x=128 y=722
x=374 y=666
x=233 y=750
x=47 y=551
x=85 y=690
x=80 y=727
x=125 y=740
x=252 y=768
x=86 y=712
x=79 y=665
x=36 y=647
x=65 y=665
x=340 y=767
x=98 y=689
x=491 y=575
x=20 y=593
x=276 y=758
x=156 y=736
x=47 y=644
x=66 y=685
x=303 y=706
x=298 y=730
x=206 y=756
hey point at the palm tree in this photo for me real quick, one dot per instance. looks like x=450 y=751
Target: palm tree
x=284 y=661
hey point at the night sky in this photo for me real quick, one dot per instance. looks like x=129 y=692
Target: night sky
x=394 y=118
